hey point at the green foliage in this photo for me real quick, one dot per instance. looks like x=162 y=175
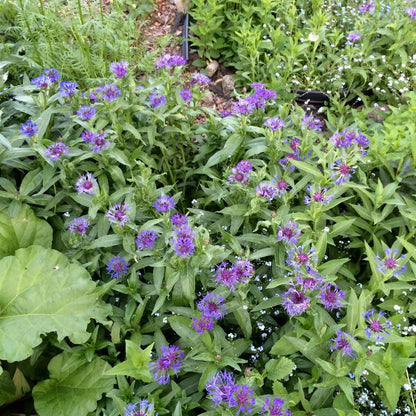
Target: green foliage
x=42 y=292
x=74 y=387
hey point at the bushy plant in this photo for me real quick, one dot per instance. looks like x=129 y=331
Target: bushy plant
x=254 y=262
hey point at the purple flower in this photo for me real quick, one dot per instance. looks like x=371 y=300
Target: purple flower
x=294 y=144
x=340 y=171
x=183 y=242
x=368 y=7
x=118 y=214
x=68 y=88
x=240 y=272
x=281 y=186
x=275 y=409
x=199 y=78
x=377 y=325
x=225 y=113
x=86 y=112
x=146 y=239
x=109 y=92
x=86 y=184
x=186 y=95
x=117 y=267
x=52 y=74
x=41 y=82
x=179 y=220
x=298 y=257
x=317 y=194
x=157 y=100
x=79 y=225
x=221 y=387
x=342 y=343
x=289 y=233
x=55 y=150
x=145 y=409
x=203 y=324
x=311 y=281
x=168 y=60
x=274 y=123
x=242 y=399
x=29 y=128
x=243 y=106
x=240 y=172
x=167 y=363
x=99 y=143
x=164 y=203
x=119 y=68
x=311 y=122
x=295 y=302
x=339 y=140
x=353 y=36
x=88 y=136
x=211 y=306
x=411 y=11
x=331 y=297
x=261 y=95
x=267 y=189
x=392 y=264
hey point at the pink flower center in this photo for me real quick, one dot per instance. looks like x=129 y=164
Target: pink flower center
x=287 y=232
x=302 y=258
x=390 y=263
x=318 y=196
x=239 y=177
x=119 y=215
x=282 y=185
x=87 y=184
x=376 y=326
x=344 y=169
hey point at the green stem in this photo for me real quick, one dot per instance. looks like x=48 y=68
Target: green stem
x=81 y=17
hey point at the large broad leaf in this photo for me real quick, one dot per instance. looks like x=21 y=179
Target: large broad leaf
x=74 y=387
x=23 y=230
x=41 y=292
x=7 y=389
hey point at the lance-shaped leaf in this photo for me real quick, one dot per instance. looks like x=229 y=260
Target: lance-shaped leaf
x=23 y=230
x=74 y=387
x=41 y=292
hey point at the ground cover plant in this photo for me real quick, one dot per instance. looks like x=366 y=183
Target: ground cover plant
x=341 y=47
x=157 y=257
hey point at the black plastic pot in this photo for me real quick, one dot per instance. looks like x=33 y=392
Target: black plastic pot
x=320 y=98
x=185 y=34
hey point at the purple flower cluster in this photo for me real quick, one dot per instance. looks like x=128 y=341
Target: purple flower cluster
x=275 y=408
x=86 y=184
x=342 y=342
x=289 y=233
x=79 y=226
x=258 y=99
x=295 y=301
x=29 y=128
x=183 y=240
x=392 y=265
x=241 y=172
x=97 y=141
x=118 y=214
x=318 y=195
x=119 y=69
x=167 y=363
x=274 y=123
x=164 y=203
x=48 y=77
x=52 y=74
x=299 y=257
x=186 y=94
x=353 y=37
x=267 y=189
x=109 y=92
x=146 y=239
x=411 y=11
x=145 y=409
x=223 y=390
x=331 y=297
x=369 y=7
x=212 y=309
x=311 y=122
x=230 y=276
x=200 y=78
x=117 y=267
x=68 y=88
x=341 y=171
x=157 y=100
x=377 y=325
x=55 y=150
x=350 y=137
x=86 y=112
x=168 y=61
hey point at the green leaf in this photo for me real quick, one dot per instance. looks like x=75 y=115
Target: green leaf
x=74 y=387
x=23 y=230
x=41 y=292
x=136 y=364
x=279 y=369
x=7 y=389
